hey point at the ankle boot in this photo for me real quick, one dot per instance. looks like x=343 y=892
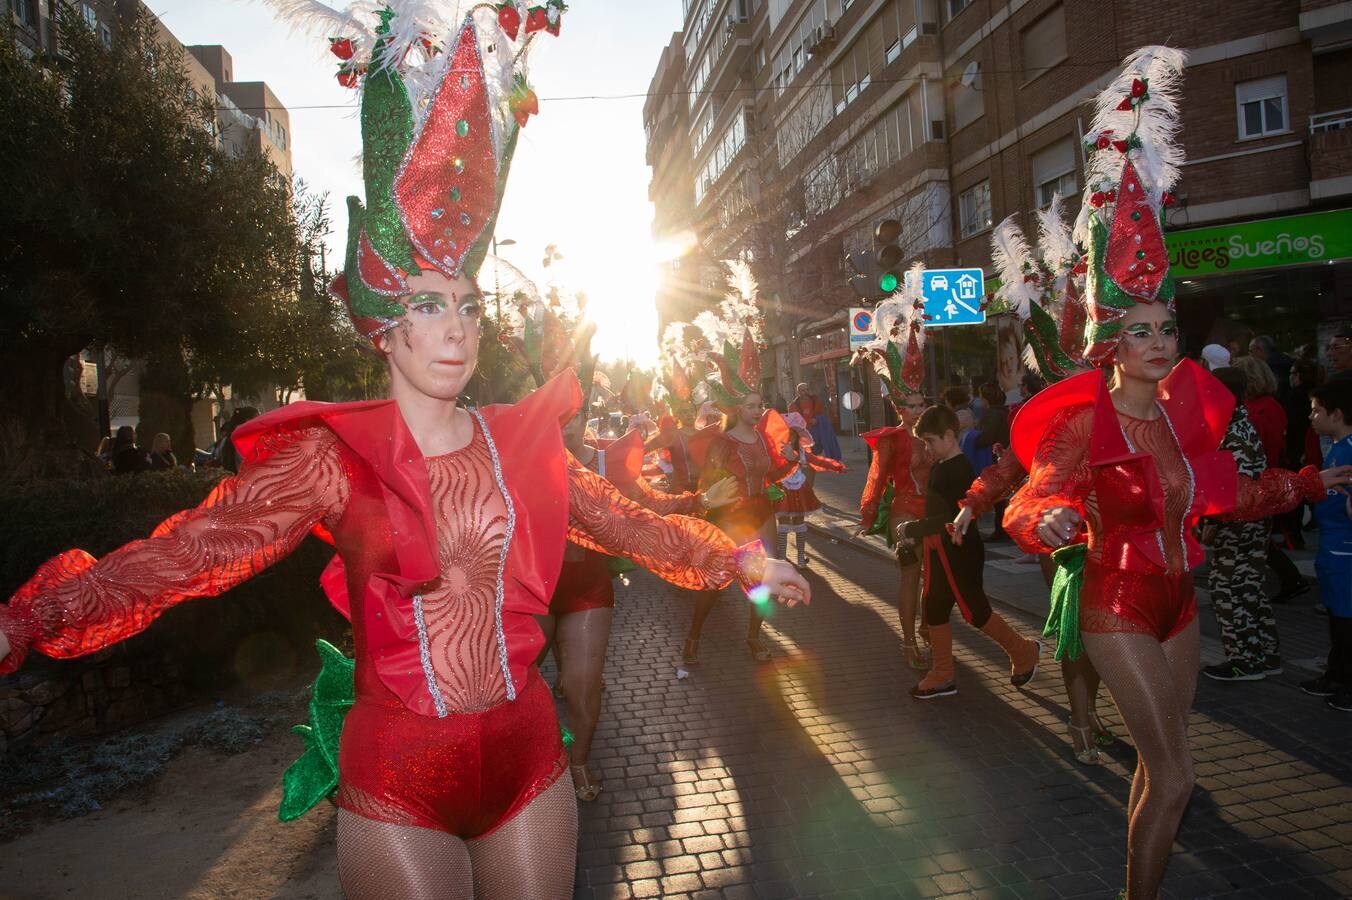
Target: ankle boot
x=939 y=681
x=1023 y=654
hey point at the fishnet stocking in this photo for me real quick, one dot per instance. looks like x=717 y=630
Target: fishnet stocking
x=581 y=640
x=533 y=855
x=1153 y=686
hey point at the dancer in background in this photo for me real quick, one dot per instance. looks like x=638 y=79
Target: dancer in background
x=799 y=499
x=1130 y=454
x=899 y=471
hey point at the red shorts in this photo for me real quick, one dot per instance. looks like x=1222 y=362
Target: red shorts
x=1111 y=600
x=583 y=584
x=798 y=501
x=466 y=774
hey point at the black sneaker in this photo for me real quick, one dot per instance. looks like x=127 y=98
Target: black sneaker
x=1233 y=671
x=1272 y=665
x=1341 y=700
x=1323 y=686
x=1292 y=592
x=943 y=690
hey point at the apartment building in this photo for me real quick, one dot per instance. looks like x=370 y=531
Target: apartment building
x=811 y=120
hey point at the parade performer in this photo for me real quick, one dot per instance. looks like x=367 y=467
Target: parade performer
x=799 y=498
x=677 y=427
x=450 y=523
x=741 y=448
x=581 y=608
x=894 y=492
x=1130 y=454
x=954 y=570
x=1044 y=289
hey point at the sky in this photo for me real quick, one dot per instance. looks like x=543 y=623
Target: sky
x=579 y=179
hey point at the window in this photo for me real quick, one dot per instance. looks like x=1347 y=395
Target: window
x=1043 y=44
x=23 y=11
x=974 y=209
x=106 y=35
x=91 y=18
x=956 y=6
x=1261 y=106
x=1054 y=172
x=968 y=105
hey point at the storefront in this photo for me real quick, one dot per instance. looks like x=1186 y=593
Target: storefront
x=1287 y=277
x=824 y=364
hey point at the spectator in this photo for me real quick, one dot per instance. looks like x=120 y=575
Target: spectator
x=958 y=398
x=1331 y=416
x=1238 y=553
x=814 y=413
x=161 y=454
x=127 y=458
x=993 y=432
x=1029 y=385
x=229 y=457
x=1269 y=419
x=1214 y=357
x=1265 y=348
x=1340 y=353
x=105 y=451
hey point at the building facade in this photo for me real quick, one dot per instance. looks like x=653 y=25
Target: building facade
x=812 y=120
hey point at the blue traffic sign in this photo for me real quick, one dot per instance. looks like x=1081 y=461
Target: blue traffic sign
x=954 y=297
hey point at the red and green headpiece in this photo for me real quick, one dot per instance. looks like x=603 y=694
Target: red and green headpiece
x=897 y=353
x=443 y=98
x=1133 y=165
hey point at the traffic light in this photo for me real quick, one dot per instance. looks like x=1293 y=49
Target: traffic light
x=864 y=281
x=888 y=256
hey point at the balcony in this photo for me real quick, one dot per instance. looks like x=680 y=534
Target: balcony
x=1330 y=151
x=1325 y=24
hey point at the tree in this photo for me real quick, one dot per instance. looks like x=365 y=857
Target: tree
x=124 y=224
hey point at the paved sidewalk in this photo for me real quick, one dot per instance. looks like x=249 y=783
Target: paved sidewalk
x=816 y=775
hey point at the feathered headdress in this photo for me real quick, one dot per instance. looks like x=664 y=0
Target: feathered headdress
x=681 y=370
x=550 y=338
x=1133 y=164
x=1040 y=287
x=735 y=327
x=443 y=97
x=897 y=353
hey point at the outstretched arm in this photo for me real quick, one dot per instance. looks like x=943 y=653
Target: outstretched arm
x=877 y=481
x=687 y=552
x=1279 y=490
x=76 y=604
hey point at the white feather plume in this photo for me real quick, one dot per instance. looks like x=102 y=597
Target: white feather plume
x=913 y=294
x=1154 y=121
x=320 y=19
x=1009 y=254
x=1055 y=245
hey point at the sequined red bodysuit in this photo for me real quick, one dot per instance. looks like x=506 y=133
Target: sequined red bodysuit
x=754 y=469
x=437 y=654
x=1140 y=485
x=899 y=458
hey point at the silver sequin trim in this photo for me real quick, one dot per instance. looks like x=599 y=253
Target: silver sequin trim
x=502 y=557
x=425 y=654
x=1192 y=486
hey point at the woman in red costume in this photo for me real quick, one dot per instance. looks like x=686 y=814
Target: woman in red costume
x=450 y=522
x=900 y=461
x=1128 y=456
x=740 y=449
x=675 y=429
x=799 y=499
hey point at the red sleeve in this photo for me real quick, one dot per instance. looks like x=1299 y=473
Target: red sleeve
x=994 y=484
x=879 y=472
x=823 y=463
x=1059 y=476
x=76 y=604
x=689 y=553
x=1275 y=491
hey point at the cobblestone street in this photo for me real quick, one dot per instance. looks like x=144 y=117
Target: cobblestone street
x=816 y=775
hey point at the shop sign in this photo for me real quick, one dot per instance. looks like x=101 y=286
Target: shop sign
x=1265 y=244
x=828 y=345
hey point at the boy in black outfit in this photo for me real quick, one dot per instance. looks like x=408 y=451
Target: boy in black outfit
x=953 y=572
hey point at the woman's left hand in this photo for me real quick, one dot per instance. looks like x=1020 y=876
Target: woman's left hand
x=785 y=583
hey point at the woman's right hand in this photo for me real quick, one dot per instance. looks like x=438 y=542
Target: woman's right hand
x=1058 y=525
x=1336 y=478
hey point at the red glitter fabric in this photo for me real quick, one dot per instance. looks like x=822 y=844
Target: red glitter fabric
x=899 y=458
x=465 y=774
x=754 y=469
x=1141 y=486
x=994 y=484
